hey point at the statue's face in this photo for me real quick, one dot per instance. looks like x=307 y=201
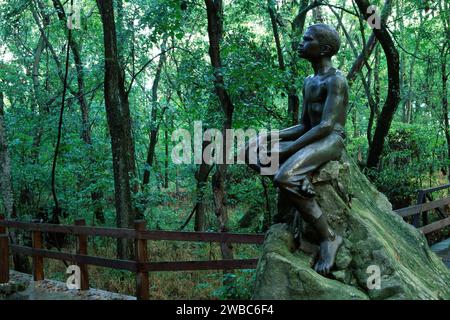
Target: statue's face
x=310 y=47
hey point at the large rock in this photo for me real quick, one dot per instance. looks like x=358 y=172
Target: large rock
x=374 y=237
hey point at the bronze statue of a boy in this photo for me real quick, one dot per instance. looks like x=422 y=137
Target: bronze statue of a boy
x=318 y=138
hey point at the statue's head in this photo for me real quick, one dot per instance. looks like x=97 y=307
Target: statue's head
x=319 y=40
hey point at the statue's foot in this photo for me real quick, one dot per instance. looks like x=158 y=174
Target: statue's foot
x=306 y=188
x=327 y=255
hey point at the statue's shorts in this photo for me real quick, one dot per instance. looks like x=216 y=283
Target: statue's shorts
x=308 y=159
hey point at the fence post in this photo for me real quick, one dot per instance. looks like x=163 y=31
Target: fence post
x=38 y=262
x=142 y=284
x=2 y=228
x=82 y=249
x=4 y=258
x=420 y=200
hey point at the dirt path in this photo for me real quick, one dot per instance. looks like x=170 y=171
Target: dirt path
x=53 y=290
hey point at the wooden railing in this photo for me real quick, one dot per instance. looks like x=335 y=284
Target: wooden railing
x=422 y=208
x=140 y=266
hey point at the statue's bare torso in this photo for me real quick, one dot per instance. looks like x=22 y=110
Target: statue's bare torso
x=315 y=91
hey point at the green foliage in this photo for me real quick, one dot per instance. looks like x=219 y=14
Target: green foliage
x=416 y=150
x=412 y=156
x=236 y=286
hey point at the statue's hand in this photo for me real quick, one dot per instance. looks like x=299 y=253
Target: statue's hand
x=280 y=151
x=259 y=148
x=274 y=153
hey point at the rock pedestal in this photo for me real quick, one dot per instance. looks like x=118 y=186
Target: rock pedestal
x=375 y=239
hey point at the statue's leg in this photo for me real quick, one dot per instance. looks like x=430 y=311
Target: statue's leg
x=285 y=209
x=292 y=179
x=293 y=174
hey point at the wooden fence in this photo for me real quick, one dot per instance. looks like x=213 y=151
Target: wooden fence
x=140 y=266
x=422 y=207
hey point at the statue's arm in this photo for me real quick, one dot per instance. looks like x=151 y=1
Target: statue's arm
x=334 y=105
x=292 y=133
x=298 y=130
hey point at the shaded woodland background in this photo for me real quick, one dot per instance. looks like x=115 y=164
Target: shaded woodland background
x=86 y=115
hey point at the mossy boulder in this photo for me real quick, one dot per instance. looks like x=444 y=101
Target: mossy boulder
x=374 y=237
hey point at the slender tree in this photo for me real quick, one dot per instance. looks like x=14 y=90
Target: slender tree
x=214 y=9
x=154 y=126
x=443 y=57
x=86 y=132
x=119 y=123
x=393 y=97
x=5 y=165
x=21 y=262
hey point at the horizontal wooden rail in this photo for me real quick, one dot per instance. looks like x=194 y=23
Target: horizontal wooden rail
x=435 y=226
x=433 y=189
x=72 y=230
x=410 y=211
x=201 y=265
x=202 y=236
x=133 y=266
x=124 y=233
x=77 y=258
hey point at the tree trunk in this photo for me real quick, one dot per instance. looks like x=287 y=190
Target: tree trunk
x=268 y=216
x=86 y=134
x=201 y=177
x=366 y=83
x=154 y=127
x=362 y=58
x=6 y=189
x=177 y=180
x=119 y=123
x=445 y=109
x=444 y=76
x=369 y=46
x=409 y=96
x=5 y=165
x=214 y=9
x=393 y=97
x=376 y=80
x=166 y=160
x=200 y=216
x=444 y=79
x=276 y=34
x=42 y=106
x=293 y=100
x=298 y=26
